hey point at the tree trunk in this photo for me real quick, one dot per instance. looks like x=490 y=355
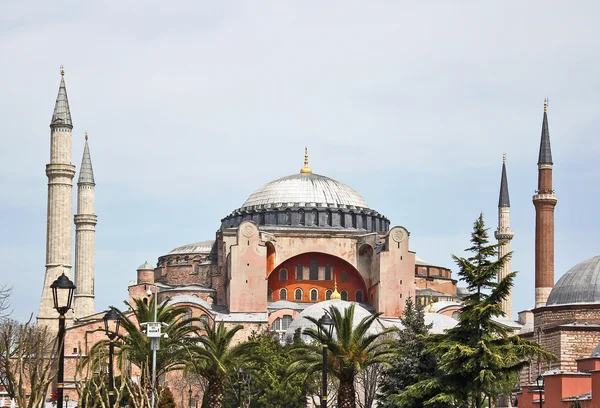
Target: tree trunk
x=346 y=394
x=214 y=394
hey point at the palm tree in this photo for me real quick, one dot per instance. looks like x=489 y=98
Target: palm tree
x=350 y=350
x=214 y=358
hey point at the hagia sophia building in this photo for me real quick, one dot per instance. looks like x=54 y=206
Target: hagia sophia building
x=300 y=243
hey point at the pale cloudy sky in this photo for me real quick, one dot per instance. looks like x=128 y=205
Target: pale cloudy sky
x=191 y=106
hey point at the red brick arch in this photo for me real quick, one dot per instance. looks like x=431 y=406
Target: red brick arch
x=339 y=267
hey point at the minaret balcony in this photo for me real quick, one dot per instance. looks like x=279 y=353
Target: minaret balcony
x=545 y=196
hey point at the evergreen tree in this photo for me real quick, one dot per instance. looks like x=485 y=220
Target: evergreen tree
x=166 y=399
x=477 y=354
x=411 y=363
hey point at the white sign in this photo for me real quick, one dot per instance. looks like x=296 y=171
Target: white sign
x=153 y=329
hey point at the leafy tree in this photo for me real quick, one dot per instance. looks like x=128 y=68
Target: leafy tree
x=477 y=354
x=350 y=350
x=412 y=363
x=166 y=399
x=215 y=358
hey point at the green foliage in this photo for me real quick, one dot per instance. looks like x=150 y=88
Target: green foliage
x=412 y=363
x=166 y=399
x=478 y=354
x=350 y=350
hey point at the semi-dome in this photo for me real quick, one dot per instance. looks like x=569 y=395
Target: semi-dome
x=305 y=189
x=202 y=247
x=318 y=309
x=581 y=284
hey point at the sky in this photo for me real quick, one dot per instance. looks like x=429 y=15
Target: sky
x=191 y=106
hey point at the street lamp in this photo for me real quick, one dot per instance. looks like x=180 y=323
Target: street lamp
x=62 y=295
x=112 y=322
x=197 y=397
x=540 y=386
x=190 y=396
x=325 y=332
x=240 y=373
x=66 y=401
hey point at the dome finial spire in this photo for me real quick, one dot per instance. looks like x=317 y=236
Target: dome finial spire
x=62 y=71
x=545 y=104
x=335 y=295
x=306 y=169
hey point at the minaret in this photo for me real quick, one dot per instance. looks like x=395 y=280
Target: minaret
x=544 y=201
x=59 y=232
x=85 y=237
x=504 y=234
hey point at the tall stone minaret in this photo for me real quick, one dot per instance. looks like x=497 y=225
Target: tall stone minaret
x=504 y=234
x=85 y=237
x=59 y=232
x=544 y=201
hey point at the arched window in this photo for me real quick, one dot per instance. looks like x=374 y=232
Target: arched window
x=313 y=273
x=298 y=294
x=314 y=295
x=204 y=321
x=145 y=301
x=328 y=294
x=299 y=272
x=270 y=295
x=328 y=272
x=283 y=275
x=286 y=321
x=301 y=217
x=187 y=317
x=283 y=294
x=359 y=296
x=344 y=276
x=344 y=295
x=329 y=218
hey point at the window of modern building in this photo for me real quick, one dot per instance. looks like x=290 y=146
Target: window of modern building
x=283 y=275
x=328 y=294
x=344 y=295
x=283 y=294
x=298 y=294
x=314 y=295
x=299 y=272
x=359 y=296
x=313 y=273
x=344 y=276
x=328 y=272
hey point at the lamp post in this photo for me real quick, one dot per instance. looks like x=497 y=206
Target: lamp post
x=112 y=322
x=190 y=396
x=325 y=332
x=197 y=397
x=66 y=401
x=62 y=295
x=540 y=386
x=240 y=373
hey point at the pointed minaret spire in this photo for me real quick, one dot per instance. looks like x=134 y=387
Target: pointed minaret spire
x=86 y=173
x=62 y=114
x=306 y=169
x=544 y=201
x=504 y=200
x=504 y=235
x=545 y=156
x=85 y=237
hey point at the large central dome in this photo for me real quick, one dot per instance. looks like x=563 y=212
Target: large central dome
x=307 y=200
x=305 y=189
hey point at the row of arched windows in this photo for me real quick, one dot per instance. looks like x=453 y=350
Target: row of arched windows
x=313 y=295
x=313 y=272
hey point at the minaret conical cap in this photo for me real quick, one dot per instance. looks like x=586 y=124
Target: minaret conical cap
x=86 y=172
x=504 y=200
x=62 y=114
x=545 y=150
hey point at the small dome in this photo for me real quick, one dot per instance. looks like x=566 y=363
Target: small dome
x=202 y=247
x=318 y=309
x=581 y=284
x=304 y=190
x=145 y=267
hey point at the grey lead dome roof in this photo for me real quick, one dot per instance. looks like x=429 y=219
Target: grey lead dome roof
x=581 y=284
x=305 y=189
x=202 y=247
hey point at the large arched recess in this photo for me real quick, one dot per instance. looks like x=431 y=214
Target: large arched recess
x=348 y=278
